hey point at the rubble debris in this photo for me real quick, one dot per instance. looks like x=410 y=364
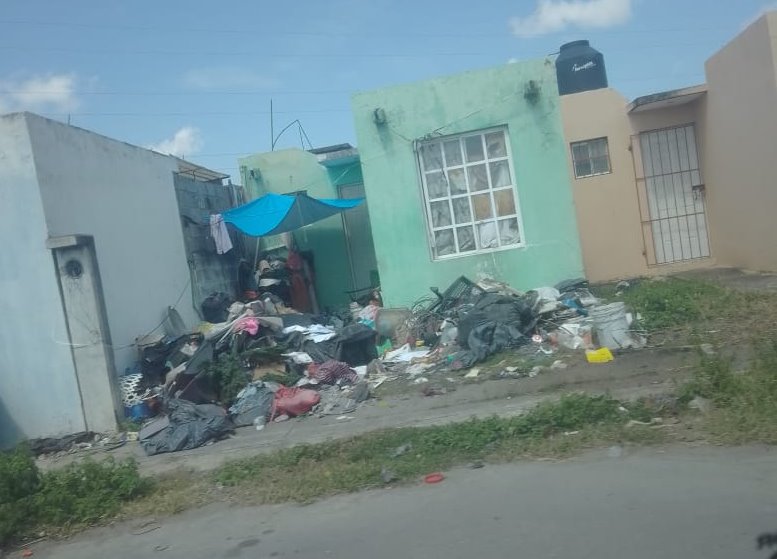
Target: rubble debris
x=253 y=402
x=401 y=449
x=387 y=475
x=290 y=363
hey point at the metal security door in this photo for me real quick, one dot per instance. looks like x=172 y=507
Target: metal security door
x=672 y=194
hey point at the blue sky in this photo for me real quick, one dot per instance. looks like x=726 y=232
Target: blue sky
x=196 y=77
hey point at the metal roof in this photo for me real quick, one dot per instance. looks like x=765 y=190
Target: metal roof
x=666 y=99
x=198 y=172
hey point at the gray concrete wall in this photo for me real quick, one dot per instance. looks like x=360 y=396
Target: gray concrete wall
x=38 y=390
x=210 y=271
x=123 y=196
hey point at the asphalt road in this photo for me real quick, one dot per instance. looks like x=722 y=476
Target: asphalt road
x=676 y=503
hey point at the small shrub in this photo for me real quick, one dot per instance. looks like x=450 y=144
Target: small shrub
x=19 y=481
x=87 y=492
x=78 y=494
x=229 y=376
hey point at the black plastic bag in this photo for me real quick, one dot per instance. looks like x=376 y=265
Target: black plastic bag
x=191 y=426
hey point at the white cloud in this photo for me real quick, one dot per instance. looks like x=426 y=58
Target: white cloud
x=51 y=92
x=228 y=77
x=185 y=142
x=552 y=16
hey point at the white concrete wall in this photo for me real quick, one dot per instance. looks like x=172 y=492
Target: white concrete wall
x=38 y=390
x=123 y=196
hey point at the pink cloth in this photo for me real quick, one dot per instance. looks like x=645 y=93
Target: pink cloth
x=294 y=401
x=247 y=323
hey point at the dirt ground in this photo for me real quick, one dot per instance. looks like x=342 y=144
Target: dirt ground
x=633 y=374
x=401 y=403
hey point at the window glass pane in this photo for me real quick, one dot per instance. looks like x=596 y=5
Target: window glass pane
x=441 y=214
x=583 y=168
x=509 y=232
x=444 y=242
x=474 y=148
x=487 y=235
x=495 y=143
x=457 y=181
x=461 y=211
x=600 y=164
x=470 y=196
x=478 y=177
x=452 y=153
x=505 y=202
x=500 y=174
x=436 y=184
x=431 y=157
x=597 y=148
x=466 y=239
x=482 y=206
x=580 y=151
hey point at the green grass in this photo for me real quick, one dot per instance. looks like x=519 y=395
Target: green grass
x=673 y=302
x=308 y=472
x=75 y=496
x=744 y=403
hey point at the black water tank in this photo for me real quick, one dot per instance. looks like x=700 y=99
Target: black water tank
x=579 y=68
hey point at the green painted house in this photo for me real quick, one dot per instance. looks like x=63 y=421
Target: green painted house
x=467 y=174
x=344 y=257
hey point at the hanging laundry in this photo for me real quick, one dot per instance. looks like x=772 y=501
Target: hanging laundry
x=218 y=230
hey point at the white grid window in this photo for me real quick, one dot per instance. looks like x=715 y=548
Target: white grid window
x=591 y=158
x=470 y=195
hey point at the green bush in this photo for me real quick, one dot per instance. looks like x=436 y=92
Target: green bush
x=229 y=376
x=19 y=481
x=87 y=492
x=78 y=494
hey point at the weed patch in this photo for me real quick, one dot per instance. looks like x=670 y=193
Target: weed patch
x=744 y=404
x=306 y=472
x=676 y=302
x=76 y=495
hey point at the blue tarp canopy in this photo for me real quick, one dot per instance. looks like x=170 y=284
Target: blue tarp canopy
x=273 y=214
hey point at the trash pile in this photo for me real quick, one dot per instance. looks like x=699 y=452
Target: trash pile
x=260 y=362
x=250 y=363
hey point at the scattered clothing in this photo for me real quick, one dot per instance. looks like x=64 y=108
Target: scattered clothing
x=248 y=323
x=254 y=401
x=294 y=401
x=331 y=372
x=218 y=230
